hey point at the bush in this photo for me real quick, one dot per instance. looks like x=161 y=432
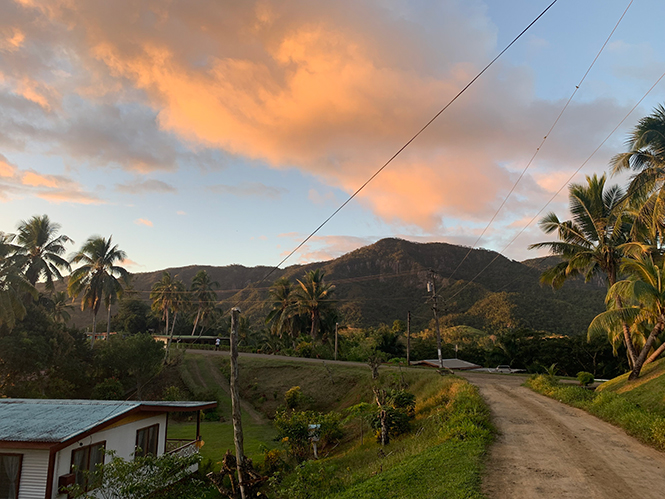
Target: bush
x=109 y=389
x=585 y=378
x=293 y=397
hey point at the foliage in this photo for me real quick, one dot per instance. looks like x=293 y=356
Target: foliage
x=585 y=378
x=134 y=316
x=293 y=397
x=137 y=358
x=109 y=389
x=293 y=429
x=138 y=477
x=399 y=406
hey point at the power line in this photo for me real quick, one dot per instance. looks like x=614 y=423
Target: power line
x=533 y=157
x=564 y=185
x=399 y=151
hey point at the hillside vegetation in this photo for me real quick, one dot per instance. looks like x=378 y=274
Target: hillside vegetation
x=381 y=282
x=441 y=456
x=647 y=392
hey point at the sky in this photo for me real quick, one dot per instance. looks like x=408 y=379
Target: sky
x=213 y=132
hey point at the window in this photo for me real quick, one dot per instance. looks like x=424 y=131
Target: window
x=146 y=441
x=10 y=474
x=84 y=464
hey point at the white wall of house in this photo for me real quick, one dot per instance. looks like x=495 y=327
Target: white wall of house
x=120 y=439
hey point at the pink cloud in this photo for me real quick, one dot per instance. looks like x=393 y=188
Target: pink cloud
x=143 y=221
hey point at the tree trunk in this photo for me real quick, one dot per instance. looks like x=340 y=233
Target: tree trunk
x=639 y=362
x=315 y=320
x=196 y=321
x=168 y=340
x=108 y=323
x=94 y=328
x=630 y=348
x=655 y=354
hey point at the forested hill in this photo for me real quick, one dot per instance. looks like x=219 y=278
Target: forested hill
x=381 y=282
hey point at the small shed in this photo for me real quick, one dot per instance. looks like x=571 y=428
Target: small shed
x=43 y=442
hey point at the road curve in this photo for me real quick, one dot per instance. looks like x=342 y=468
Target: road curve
x=546 y=449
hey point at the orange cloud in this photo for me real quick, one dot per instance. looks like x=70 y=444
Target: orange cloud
x=143 y=221
x=35 y=179
x=11 y=39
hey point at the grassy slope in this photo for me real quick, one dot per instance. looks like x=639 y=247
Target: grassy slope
x=631 y=406
x=441 y=458
x=648 y=391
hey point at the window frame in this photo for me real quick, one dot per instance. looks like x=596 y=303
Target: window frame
x=20 y=468
x=145 y=452
x=87 y=486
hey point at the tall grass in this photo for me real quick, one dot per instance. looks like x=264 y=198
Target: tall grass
x=645 y=425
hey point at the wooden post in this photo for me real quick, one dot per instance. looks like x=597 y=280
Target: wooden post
x=336 y=326
x=436 y=317
x=408 y=338
x=235 y=402
x=198 y=425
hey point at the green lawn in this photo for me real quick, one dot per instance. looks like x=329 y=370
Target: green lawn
x=218 y=437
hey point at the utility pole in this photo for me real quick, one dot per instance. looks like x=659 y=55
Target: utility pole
x=336 y=326
x=431 y=287
x=408 y=338
x=235 y=401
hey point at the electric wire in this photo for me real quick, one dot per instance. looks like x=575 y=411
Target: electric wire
x=563 y=186
x=399 y=151
x=533 y=157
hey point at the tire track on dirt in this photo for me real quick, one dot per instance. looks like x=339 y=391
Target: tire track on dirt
x=546 y=449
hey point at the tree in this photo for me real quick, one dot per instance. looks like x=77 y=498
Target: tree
x=98 y=279
x=281 y=316
x=640 y=302
x=59 y=307
x=593 y=242
x=167 y=296
x=40 y=249
x=13 y=285
x=203 y=295
x=313 y=298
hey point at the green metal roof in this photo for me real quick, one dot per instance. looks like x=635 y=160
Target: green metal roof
x=41 y=420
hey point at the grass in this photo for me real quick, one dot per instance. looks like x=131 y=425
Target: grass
x=642 y=422
x=647 y=391
x=441 y=458
x=218 y=437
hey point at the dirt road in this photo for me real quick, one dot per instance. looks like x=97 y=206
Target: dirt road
x=546 y=449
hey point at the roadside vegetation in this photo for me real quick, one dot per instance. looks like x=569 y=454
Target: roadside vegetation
x=636 y=406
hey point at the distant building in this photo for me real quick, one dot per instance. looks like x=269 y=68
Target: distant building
x=42 y=442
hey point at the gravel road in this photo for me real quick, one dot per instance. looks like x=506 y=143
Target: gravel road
x=546 y=449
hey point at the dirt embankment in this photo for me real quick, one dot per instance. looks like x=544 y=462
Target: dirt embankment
x=548 y=450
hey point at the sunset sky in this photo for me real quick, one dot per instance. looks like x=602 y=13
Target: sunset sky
x=215 y=132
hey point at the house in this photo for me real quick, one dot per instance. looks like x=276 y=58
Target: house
x=43 y=442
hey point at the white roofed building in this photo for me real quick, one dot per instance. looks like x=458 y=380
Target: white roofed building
x=43 y=442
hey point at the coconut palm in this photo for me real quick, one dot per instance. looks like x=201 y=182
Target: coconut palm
x=313 y=298
x=39 y=250
x=98 y=279
x=167 y=296
x=640 y=302
x=594 y=242
x=646 y=158
x=281 y=317
x=203 y=295
x=13 y=285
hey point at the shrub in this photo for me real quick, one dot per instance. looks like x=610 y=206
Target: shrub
x=585 y=378
x=109 y=389
x=293 y=397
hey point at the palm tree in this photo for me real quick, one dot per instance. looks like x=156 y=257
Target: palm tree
x=313 y=298
x=640 y=302
x=203 y=295
x=98 y=279
x=594 y=242
x=283 y=306
x=167 y=296
x=13 y=285
x=39 y=250
x=646 y=158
